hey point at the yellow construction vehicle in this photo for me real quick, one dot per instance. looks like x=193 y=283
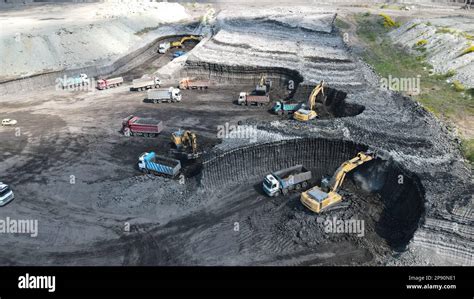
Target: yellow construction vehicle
x=185 y=142
x=264 y=85
x=179 y=43
x=318 y=199
x=308 y=113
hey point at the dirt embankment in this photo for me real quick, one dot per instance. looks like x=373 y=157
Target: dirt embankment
x=48 y=37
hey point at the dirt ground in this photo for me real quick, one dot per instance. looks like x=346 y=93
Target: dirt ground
x=73 y=171
x=66 y=137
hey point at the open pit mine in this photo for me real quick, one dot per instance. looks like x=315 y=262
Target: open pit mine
x=227 y=133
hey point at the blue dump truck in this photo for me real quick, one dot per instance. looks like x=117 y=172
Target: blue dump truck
x=286 y=180
x=281 y=107
x=159 y=165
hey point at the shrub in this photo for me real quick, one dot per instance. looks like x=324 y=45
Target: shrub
x=388 y=22
x=421 y=43
x=458 y=86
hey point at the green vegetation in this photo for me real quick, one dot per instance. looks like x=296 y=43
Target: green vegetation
x=342 y=24
x=455 y=32
x=458 y=86
x=388 y=22
x=468 y=50
x=421 y=42
x=468 y=149
x=437 y=95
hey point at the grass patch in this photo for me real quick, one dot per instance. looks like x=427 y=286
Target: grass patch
x=437 y=95
x=467 y=146
x=341 y=24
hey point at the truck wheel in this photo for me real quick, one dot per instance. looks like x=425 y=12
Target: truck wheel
x=285 y=191
x=286 y=112
x=280 y=112
x=277 y=194
x=155 y=101
x=298 y=187
x=304 y=184
x=126 y=132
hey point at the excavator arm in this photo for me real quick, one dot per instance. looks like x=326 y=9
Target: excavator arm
x=312 y=97
x=340 y=174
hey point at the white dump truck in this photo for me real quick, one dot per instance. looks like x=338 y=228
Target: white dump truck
x=285 y=180
x=164 y=95
x=163 y=47
x=80 y=80
x=146 y=82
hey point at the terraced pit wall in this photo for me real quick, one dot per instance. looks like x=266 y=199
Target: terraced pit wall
x=240 y=75
x=403 y=203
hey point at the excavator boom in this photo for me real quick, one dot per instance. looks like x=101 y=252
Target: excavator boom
x=318 y=198
x=309 y=112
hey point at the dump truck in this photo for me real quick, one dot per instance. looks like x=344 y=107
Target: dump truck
x=134 y=125
x=6 y=194
x=79 y=80
x=109 y=83
x=159 y=165
x=164 y=95
x=163 y=48
x=145 y=82
x=253 y=99
x=281 y=107
x=187 y=83
x=318 y=199
x=286 y=180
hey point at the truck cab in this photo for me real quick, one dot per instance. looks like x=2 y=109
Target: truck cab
x=242 y=98
x=163 y=48
x=6 y=194
x=141 y=161
x=277 y=107
x=271 y=186
x=175 y=94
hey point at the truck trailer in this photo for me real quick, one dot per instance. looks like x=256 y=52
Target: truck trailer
x=134 y=125
x=281 y=107
x=145 y=83
x=187 y=83
x=164 y=95
x=253 y=99
x=79 y=80
x=159 y=165
x=109 y=83
x=285 y=180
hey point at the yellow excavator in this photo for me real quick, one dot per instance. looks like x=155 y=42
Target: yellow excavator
x=179 y=43
x=264 y=85
x=308 y=113
x=185 y=142
x=318 y=199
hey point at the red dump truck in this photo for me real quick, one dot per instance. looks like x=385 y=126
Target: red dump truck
x=251 y=99
x=134 y=125
x=187 y=83
x=109 y=83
